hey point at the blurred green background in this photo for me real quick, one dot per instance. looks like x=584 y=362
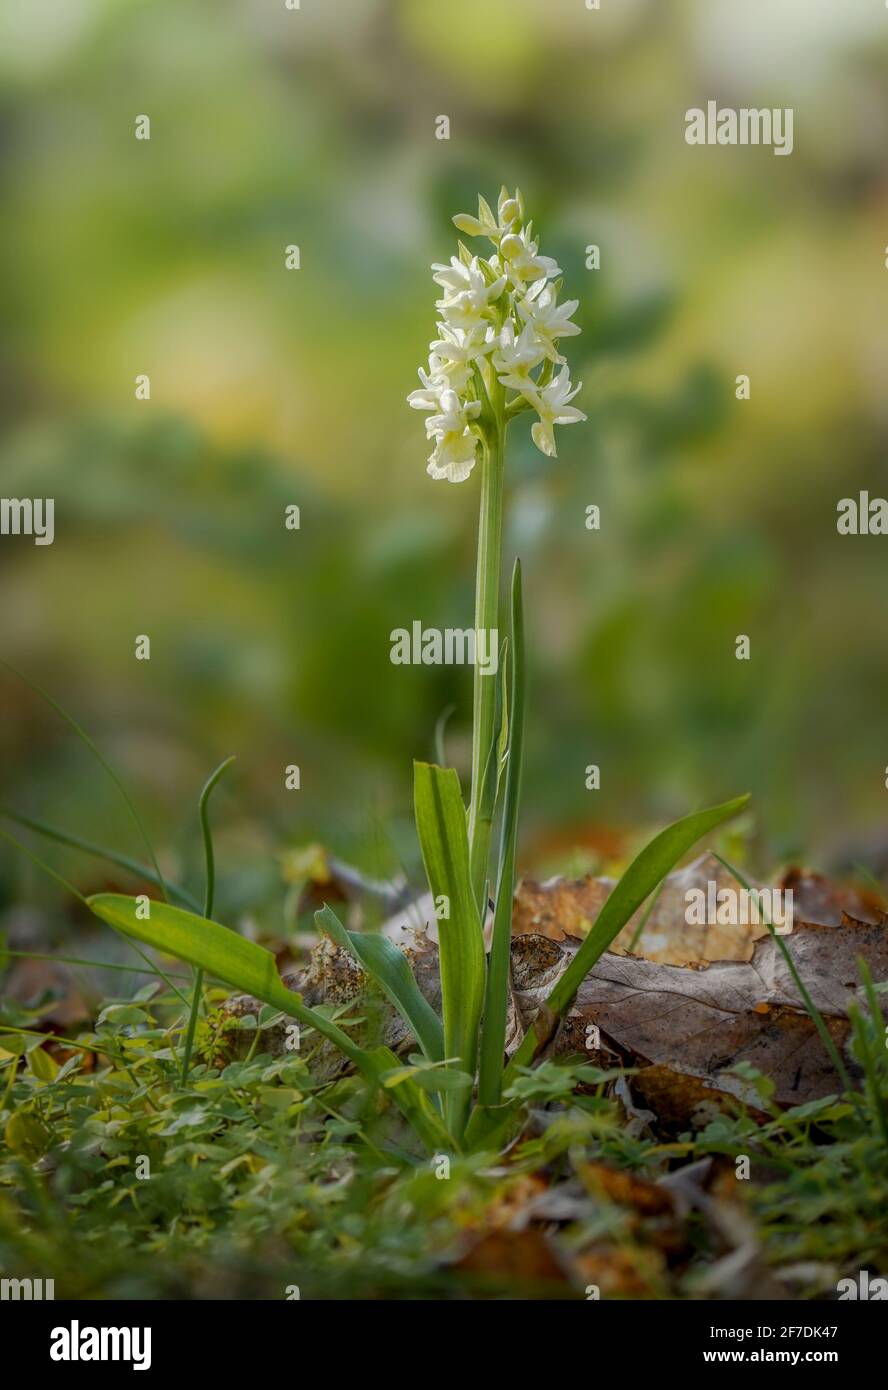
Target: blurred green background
x=269 y=387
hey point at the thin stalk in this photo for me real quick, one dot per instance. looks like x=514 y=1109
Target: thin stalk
x=47 y=869
x=100 y=1050
x=81 y=960
x=496 y=1002
x=813 y=1011
x=870 y=1071
x=487 y=580
x=101 y=759
x=209 y=897
x=878 y=1025
x=639 y=930
x=123 y=861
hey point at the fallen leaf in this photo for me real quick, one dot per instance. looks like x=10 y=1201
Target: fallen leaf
x=686 y=1027
x=561 y=909
x=819 y=900
x=525 y=1257
x=701 y=1022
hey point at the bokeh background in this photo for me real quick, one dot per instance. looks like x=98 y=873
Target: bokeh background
x=269 y=387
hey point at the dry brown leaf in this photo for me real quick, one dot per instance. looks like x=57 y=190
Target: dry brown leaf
x=701 y=1022
x=687 y=1027
x=621 y=1273
x=565 y=908
x=626 y=1189
x=818 y=899
x=523 y=1257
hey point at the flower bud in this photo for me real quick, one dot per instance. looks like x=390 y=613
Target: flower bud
x=511 y=246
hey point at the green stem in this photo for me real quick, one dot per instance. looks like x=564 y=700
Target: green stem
x=496 y=1000
x=487 y=580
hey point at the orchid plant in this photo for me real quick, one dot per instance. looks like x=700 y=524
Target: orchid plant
x=496 y=357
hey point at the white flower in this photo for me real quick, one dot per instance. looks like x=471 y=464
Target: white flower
x=549 y=318
x=515 y=357
x=509 y=209
x=453 y=456
x=499 y=324
x=522 y=261
x=457 y=349
x=468 y=294
x=429 y=398
x=552 y=404
x=454 y=415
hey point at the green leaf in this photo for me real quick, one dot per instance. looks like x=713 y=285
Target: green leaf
x=247 y=966
x=26 y=1134
x=507 y=679
x=485 y=212
x=641 y=878
x=12 y=1044
x=440 y=730
x=122 y=1016
x=390 y=968
x=432 y=1079
x=496 y=1001
x=441 y=826
x=44 y=1067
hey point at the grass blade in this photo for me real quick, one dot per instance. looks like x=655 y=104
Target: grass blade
x=813 y=1011
x=210 y=861
x=874 y=1060
x=89 y=964
x=123 y=861
x=496 y=999
x=47 y=869
x=441 y=826
x=390 y=968
x=100 y=758
x=639 y=930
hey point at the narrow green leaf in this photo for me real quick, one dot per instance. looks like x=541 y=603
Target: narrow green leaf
x=490 y=781
x=440 y=731
x=203 y=810
x=441 y=826
x=391 y=970
x=246 y=966
x=485 y=212
x=496 y=1001
x=503 y=712
x=641 y=878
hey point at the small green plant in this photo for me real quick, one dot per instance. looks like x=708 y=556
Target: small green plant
x=497 y=357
